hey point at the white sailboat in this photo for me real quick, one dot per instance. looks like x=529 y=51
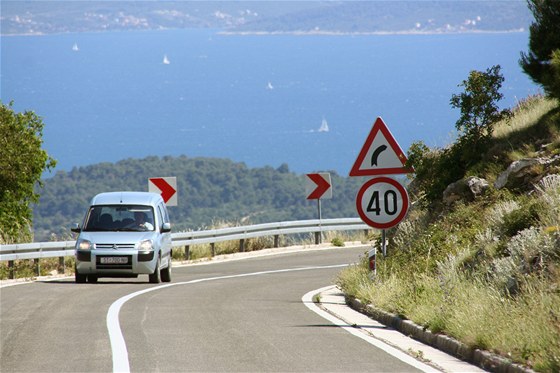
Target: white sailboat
x=269 y=86
x=166 y=60
x=75 y=47
x=324 y=126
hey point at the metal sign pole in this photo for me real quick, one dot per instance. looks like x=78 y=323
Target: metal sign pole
x=383 y=243
x=318 y=235
x=372 y=254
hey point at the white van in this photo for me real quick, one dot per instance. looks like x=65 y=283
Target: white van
x=124 y=234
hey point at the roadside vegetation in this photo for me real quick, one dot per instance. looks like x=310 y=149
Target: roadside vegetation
x=486 y=272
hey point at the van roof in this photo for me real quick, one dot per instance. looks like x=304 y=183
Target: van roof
x=129 y=198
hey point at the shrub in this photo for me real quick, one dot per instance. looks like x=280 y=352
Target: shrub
x=337 y=241
x=479 y=112
x=435 y=169
x=517 y=220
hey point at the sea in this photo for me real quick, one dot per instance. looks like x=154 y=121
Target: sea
x=308 y=101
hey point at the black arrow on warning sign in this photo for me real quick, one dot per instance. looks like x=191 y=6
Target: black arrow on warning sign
x=376 y=154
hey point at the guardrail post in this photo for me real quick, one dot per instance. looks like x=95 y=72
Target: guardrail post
x=187 y=252
x=242 y=245
x=37 y=266
x=11 y=271
x=61 y=268
x=317 y=238
x=277 y=241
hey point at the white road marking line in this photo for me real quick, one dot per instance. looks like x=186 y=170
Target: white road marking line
x=307 y=299
x=118 y=344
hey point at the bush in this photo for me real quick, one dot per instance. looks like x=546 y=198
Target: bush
x=520 y=219
x=435 y=169
x=337 y=241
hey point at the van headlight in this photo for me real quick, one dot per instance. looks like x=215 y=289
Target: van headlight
x=84 y=245
x=146 y=245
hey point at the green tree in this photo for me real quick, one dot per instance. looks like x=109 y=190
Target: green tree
x=22 y=162
x=544 y=41
x=435 y=169
x=479 y=111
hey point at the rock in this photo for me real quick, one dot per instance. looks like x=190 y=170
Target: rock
x=477 y=185
x=516 y=171
x=465 y=189
x=524 y=173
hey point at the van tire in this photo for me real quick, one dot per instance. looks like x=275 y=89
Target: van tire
x=166 y=273
x=80 y=279
x=155 y=278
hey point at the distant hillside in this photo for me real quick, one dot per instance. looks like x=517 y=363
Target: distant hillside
x=210 y=191
x=43 y=17
x=399 y=16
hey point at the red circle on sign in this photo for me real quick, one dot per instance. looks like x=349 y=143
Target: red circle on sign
x=369 y=218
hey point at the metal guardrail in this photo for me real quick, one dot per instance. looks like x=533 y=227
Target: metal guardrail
x=37 y=250
x=60 y=249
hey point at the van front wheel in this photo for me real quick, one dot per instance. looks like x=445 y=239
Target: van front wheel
x=166 y=273
x=80 y=279
x=155 y=278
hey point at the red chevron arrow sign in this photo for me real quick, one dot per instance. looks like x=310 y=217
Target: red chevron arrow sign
x=318 y=186
x=166 y=186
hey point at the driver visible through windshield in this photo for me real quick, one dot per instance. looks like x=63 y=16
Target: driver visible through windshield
x=120 y=218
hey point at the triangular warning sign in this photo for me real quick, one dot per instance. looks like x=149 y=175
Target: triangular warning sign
x=380 y=155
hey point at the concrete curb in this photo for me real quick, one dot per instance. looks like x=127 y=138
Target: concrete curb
x=483 y=359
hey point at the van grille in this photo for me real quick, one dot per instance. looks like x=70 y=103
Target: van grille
x=115 y=246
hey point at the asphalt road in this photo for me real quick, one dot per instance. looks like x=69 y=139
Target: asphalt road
x=233 y=316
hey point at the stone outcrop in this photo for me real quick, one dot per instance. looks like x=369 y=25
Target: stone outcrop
x=465 y=189
x=524 y=173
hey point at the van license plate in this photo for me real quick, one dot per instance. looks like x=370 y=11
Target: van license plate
x=113 y=260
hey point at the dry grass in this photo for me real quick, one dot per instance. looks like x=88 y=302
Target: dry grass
x=527 y=113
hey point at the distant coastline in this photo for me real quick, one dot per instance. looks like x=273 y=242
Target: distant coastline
x=348 y=33
x=351 y=17
x=293 y=33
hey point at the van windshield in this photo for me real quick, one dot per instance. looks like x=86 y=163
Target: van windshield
x=119 y=218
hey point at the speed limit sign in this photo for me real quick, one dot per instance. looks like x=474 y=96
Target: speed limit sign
x=382 y=202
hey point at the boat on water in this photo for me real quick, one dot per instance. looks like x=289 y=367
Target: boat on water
x=75 y=47
x=166 y=60
x=324 y=126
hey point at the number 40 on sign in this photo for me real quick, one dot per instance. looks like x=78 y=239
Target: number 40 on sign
x=382 y=202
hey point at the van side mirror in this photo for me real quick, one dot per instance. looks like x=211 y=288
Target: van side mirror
x=76 y=228
x=166 y=227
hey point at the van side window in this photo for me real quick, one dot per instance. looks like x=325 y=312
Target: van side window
x=160 y=216
x=165 y=214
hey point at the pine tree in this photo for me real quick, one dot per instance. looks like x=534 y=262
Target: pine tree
x=544 y=44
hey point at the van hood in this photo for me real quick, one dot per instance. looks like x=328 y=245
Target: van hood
x=117 y=237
